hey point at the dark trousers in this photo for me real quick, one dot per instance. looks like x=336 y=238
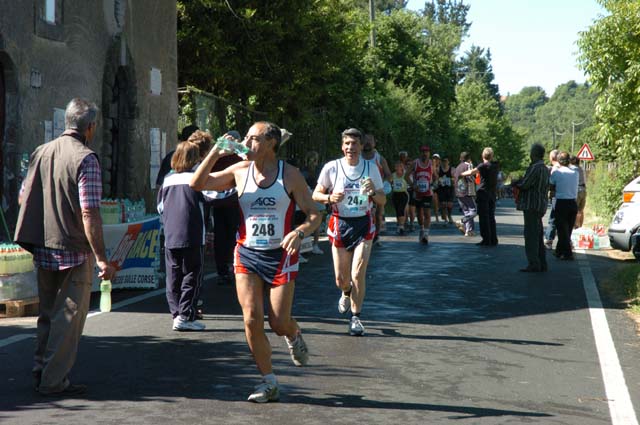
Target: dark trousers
x=225 y=226
x=534 y=239
x=486 y=204
x=184 y=280
x=565 y=212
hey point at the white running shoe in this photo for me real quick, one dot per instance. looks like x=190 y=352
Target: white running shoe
x=344 y=304
x=302 y=260
x=355 y=327
x=182 y=325
x=421 y=236
x=265 y=392
x=316 y=250
x=298 y=350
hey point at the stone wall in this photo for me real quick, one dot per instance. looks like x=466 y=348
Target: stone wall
x=91 y=45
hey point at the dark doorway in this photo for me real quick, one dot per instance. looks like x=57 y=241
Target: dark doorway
x=2 y=124
x=120 y=145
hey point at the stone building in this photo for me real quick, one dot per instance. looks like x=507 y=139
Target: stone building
x=121 y=54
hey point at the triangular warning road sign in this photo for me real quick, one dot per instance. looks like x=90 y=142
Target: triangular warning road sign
x=585 y=153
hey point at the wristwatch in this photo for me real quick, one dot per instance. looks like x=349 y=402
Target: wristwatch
x=300 y=234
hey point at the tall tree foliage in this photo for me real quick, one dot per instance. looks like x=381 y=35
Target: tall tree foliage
x=610 y=55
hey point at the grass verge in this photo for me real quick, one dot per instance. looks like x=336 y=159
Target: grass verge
x=623 y=287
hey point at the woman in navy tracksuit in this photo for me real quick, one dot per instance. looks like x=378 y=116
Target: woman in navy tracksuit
x=182 y=213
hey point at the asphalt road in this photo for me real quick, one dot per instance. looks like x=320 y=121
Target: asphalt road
x=454 y=334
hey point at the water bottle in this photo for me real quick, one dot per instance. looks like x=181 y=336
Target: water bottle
x=105 y=296
x=223 y=143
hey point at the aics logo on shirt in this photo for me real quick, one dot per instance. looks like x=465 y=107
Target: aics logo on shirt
x=264 y=202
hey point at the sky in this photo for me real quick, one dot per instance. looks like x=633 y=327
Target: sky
x=532 y=42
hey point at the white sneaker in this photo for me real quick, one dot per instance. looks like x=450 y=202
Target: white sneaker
x=265 y=392
x=316 y=250
x=355 y=327
x=344 y=304
x=182 y=325
x=298 y=350
x=302 y=260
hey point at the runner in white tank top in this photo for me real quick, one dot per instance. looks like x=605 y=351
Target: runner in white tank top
x=342 y=184
x=267 y=247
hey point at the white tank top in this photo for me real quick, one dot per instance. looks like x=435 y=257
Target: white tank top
x=266 y=212
x=353 y=204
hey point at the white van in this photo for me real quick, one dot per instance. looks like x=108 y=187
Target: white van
x=624 y=230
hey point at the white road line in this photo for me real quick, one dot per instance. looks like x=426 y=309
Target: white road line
x=15 y=338
x=21 y=337
x=620 y=406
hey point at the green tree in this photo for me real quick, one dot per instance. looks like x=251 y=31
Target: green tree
x=610 y=55
x=521 y=110
x=476 y=65
x=479 y=123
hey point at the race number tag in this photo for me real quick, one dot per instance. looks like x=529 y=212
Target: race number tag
x=423 y=186
x=263 y=230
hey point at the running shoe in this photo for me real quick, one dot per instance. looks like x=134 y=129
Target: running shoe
x=355 y=327
x=460 y=226
x=549 y=243
x=344 y=304
x=298 y=350
x=425 y=239
x=470 y=233
x=302 y=260
x=265 y=392
x=183 y=325
x=421 y=236
x=316 y=250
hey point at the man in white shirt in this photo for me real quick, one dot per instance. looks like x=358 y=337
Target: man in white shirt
x=564 y=188
x=351 y=185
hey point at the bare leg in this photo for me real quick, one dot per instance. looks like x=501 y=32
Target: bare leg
x=250 y=290
x=280 y=303
x=342 y=267
x=360 y=258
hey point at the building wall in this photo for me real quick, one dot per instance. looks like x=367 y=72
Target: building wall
x=92 y=42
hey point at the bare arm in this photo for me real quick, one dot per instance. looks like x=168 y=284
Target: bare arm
x=472 y=172
x=320 y=194
x=204 y=179
x=386 y=172
x=92 y=222
x=300 y=191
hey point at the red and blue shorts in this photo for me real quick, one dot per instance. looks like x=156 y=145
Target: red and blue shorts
x=273 y=266
x=348 y=232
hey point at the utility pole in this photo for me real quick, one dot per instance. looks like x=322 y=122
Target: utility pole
x=372 y=18
x=573 y=133
x=556 y=133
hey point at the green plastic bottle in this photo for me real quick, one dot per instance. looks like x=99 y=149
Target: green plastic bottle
x=105 y=296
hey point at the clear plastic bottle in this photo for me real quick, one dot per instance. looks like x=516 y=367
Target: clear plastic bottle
x=231 y=146
x=105 y=296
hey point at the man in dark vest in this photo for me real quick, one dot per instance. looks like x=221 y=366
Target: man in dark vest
x=60 y=223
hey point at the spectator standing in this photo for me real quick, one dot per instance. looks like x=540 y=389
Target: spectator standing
x=551 y=224
x=60 y=223
x=182 y=212
x=370 y=153
x=465 y=189
x=532 y=201
x=165 y=166
x=564 y=187
x=226 y=218
x=486 y=197
x=581 y=200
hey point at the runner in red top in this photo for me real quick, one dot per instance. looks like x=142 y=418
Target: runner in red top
x=421 y=174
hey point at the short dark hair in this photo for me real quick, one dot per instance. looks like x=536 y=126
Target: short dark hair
x=465 y=156
x=188 y=131
x=537 y=151
x=352 y=132
x=574 y=160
